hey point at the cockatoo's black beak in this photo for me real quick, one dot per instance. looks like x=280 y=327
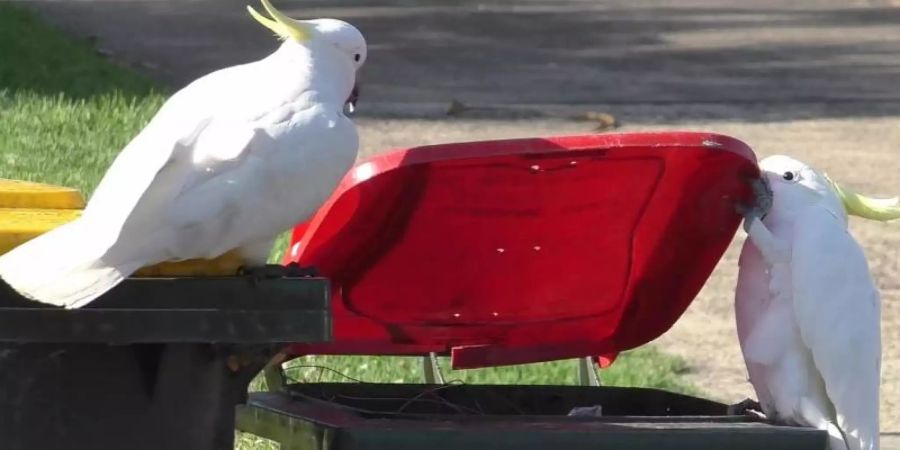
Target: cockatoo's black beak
x=354 y=97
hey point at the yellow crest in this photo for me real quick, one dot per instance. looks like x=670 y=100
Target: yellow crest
x=282 y=25
x=881 y=209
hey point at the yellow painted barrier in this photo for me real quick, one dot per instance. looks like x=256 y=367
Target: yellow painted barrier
x=28 y=210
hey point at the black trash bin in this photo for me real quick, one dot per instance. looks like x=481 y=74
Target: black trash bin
x=153 y=364
x=363 y=416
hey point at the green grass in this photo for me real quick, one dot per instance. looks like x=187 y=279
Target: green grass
x=65 y=112
x=644 y=367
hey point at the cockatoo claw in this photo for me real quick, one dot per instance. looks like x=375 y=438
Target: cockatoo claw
x=750 y=214
x=273 y=271
x=763 y=193
x=762 y=202
x=297 y=271
x=746 y=407
x=261 y=273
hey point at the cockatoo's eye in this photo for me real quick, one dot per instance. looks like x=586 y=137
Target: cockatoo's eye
x=790 y=176
x=356 y=57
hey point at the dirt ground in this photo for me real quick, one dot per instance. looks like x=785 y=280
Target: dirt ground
x=817 y=80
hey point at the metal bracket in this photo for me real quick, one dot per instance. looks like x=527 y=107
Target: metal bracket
x=431 y=369
x=587 y=372
x=274 y=375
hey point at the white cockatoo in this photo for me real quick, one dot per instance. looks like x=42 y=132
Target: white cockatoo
x=807 y=309
x=228 y=163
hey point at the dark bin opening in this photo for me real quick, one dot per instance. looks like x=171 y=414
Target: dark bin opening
x=409 y=400
x=345 y=416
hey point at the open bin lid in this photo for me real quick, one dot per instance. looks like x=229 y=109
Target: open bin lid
x=526 y=250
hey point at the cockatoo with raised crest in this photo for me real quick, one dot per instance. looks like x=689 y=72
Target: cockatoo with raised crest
x=227 y=163
x=808 y=311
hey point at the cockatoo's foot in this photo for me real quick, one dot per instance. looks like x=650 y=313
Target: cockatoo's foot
x=750 y=214
x=746 y=407
x=264 y=272
x=762 y=194
x=272 y=271
x=297 y=271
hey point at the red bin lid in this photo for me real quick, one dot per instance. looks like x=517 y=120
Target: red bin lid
x=525 y=250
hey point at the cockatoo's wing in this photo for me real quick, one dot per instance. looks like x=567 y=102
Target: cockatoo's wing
x=214 y=193
x=219 y=151
x=169 y=137
x=72 y=265
x=837 y=310
x=131 y=174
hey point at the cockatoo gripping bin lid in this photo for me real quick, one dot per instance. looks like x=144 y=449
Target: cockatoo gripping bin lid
x=519 y=251
x=511 y=252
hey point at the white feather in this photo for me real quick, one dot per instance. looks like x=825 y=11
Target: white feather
x=808 y=313
x=839 y=314
x=789 y=388
x=228 y=162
